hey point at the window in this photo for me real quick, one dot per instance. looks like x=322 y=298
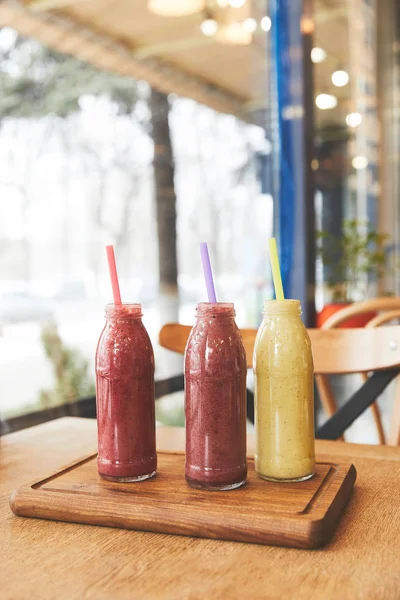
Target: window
x=77 y=150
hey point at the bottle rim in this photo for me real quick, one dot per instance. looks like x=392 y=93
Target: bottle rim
x=215 y=309
x=282 y=307
x=126 y=310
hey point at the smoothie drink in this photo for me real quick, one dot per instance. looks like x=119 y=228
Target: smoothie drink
x=215 y=400
x=125 y=397
x=284 y=395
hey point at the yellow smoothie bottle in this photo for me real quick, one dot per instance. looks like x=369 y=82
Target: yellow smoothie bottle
x=284 y=395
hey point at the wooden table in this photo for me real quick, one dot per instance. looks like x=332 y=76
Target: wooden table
x=44 y=559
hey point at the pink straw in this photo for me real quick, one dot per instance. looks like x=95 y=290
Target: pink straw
x=113 y=274
x=205 y=258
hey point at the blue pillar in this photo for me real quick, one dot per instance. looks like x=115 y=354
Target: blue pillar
x=292 y=127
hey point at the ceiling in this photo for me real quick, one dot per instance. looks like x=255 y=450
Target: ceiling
x=170 y=53
x=173 y=55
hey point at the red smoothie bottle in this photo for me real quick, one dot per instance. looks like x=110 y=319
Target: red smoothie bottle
x=215 y=400
x=125 y=397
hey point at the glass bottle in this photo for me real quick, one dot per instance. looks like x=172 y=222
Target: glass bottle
x=215 y=400
x=284 y=395
x=125 y=397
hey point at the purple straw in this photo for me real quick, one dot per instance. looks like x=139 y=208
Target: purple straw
x=205 y=259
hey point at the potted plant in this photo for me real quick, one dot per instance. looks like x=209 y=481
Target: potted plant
x=351 y=262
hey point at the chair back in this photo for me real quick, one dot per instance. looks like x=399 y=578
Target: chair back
x=174 y=336
x=335 y=351
x=358 y=308
x=388 y=310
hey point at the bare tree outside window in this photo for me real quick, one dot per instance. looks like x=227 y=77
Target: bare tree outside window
x=89 y=158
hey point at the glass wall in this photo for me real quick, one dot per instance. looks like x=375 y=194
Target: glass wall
x=388 y=67
x=356 y=166
x=347 y=131
x=79 y=148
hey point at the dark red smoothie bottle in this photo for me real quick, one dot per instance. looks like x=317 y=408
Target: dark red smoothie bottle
x=215 y=400
x=125 y=397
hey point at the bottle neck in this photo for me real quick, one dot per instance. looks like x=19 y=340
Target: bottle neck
x=217 y=310
x=123 y=312
x=282 y=308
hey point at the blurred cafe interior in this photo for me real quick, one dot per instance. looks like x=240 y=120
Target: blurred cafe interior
x=154 y=125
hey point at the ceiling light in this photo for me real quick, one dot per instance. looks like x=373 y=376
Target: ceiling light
x=250 y=24
x=326 y=101
x=209 y=27
x=353 y=119
x=340 y=78
x=360 y=162
x=318 y=55
x=307 y=25
x=237 y=3
x=266 y=23
x=233 y=34
x=175 y=8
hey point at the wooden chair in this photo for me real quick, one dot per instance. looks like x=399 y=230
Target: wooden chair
x=393 y=438
x=357 y=308
x=335 y=351
x=388 y=309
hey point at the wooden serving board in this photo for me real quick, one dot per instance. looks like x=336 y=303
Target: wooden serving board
x=301 y=515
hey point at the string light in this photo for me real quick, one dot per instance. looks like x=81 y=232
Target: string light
x=209 y=27
x=233 y=34
x=250 y=24
x=360 y=162
x=326 y=101
x=266 y=23
x=314 y=164
x=175 y=8
x=340 y=78
x=318 y=55
x=354 y=119
x=237 y=3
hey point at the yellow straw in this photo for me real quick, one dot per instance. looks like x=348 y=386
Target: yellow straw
x=276 y=271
